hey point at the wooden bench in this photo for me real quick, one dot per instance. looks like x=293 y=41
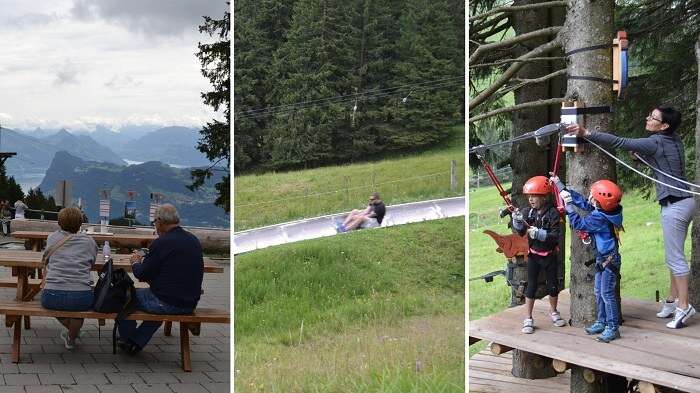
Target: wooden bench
x=14 y=311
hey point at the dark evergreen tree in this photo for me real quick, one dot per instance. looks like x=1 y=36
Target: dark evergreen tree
x=260 y=30
x=215 y=142
x=9 y=189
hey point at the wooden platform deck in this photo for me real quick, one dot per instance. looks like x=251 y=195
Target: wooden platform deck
x=648 y=351
x=489 y=373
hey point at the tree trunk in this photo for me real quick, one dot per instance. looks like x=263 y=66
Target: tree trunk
x=588 y=23
x=533 y=160
x=694 y=285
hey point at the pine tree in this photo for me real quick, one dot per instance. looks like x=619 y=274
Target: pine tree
x=260 y=30
x=9 y=189
x=215 y=142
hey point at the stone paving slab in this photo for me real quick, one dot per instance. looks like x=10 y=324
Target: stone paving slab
x=47 y=367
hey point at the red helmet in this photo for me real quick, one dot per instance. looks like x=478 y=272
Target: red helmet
x=607 y=194
x=538 y=185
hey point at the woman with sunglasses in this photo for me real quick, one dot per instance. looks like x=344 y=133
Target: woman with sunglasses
x=663 y=149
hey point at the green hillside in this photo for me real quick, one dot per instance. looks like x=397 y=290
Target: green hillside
x=283 y=196
x=643 y=268
x=368 y=311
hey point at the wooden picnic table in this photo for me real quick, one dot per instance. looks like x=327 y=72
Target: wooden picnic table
x=37 y=238
x=24 y=261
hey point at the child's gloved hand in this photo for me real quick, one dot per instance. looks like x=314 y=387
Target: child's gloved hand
x=517 y=216
x=536 y=233
x=557 y=182
x=565 y=196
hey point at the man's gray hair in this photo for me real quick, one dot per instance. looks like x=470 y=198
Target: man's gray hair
x=167 y=214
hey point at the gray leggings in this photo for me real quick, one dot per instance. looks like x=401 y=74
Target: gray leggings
x=675 y=220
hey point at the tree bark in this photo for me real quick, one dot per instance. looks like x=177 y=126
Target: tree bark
x=694 y=285
x=588 y=23
x=532 y=160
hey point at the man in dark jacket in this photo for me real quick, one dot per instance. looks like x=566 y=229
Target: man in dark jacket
x=663 y=149
x=174 y=269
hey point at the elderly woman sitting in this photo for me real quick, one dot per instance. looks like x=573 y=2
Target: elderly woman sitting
x=68 y=284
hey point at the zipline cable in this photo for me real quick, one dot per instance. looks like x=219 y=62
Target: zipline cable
x=637 y=171
x=664 y=173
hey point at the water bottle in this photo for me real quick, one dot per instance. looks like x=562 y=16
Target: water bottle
x=106 y=251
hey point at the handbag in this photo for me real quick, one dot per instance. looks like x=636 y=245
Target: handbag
x=114 y=293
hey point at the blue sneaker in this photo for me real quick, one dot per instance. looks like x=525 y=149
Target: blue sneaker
x=596 y=328
x=608 y=335
x=340 y=228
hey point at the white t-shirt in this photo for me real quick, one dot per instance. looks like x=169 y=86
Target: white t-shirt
x=19 y=209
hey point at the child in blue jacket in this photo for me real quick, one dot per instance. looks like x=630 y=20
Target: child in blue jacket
x=603 y=223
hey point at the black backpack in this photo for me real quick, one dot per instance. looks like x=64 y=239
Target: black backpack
x=114 y=293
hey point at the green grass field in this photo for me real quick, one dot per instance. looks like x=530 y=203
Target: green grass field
x=369 y=311
x=643 y=268
x=279 y=197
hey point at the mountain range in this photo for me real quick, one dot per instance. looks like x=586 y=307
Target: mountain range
x=87 y=178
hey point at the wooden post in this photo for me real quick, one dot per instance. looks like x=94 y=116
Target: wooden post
x=560 y=366
x=185 y=347
x=16 y=339
x=453 y=175
x=498 y=349
x=167 y=327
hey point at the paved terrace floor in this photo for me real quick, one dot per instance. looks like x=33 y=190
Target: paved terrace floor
x=47 y=367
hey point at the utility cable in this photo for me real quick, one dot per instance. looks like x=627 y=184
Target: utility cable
x=335 y=100
x=452 y=79
x=637 y=171
x=341 y=190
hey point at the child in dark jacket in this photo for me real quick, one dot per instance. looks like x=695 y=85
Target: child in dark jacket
x=603 y=222
x=541 y=222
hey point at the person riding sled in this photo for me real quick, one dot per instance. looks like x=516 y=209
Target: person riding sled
x=604 y=222
x=541 y=222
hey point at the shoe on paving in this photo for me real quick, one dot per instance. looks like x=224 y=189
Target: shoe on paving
x=66 y=343
x=667 y=309
x=557 y=320
x=596 y=328
x=681 y=317
x=608 y=335
x=528 y=326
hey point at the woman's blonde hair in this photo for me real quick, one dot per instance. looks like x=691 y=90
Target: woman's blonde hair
x=70 y=219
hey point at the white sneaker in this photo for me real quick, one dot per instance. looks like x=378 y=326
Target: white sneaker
x=667 y=309
x=528 y=326
x=66 y=343
x=681 y=317
x=557 y=319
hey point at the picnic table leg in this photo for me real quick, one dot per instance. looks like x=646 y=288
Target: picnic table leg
x=167 y=327
x=16 y=339
x=22 y=291
x=36 y=244
x=185 y=347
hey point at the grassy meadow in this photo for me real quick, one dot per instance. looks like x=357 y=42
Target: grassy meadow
x=277 y=197
x=369 y=311
x=643 y=268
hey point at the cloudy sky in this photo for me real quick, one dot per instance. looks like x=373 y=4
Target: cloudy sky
x=78 y=63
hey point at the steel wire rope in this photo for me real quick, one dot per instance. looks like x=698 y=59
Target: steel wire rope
x=338 y=99
x=340 y=190
x=637 y=171
x=664 y=173
x=455 y=78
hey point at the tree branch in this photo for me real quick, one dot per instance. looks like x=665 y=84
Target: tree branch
x=477 y=27
x=514 y=108
x=515 y=8
x=504 y=61
x=547 y=31
x=527 y=82
x=490 y=32
x=511 y=71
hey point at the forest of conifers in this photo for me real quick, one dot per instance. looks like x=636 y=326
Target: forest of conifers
x=327 y=82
